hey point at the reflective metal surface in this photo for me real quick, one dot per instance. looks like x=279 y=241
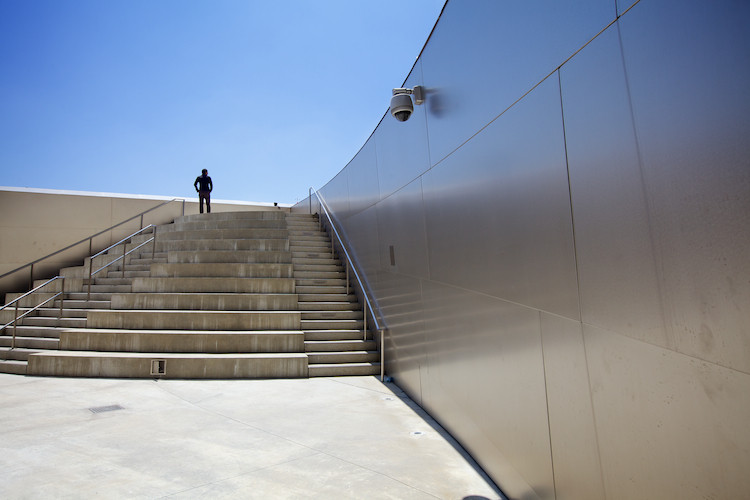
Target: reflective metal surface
x=566 y=280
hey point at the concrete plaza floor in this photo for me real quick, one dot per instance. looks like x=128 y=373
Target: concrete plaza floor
x=347 y=437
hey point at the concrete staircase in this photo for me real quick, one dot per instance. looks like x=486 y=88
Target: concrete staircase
x=224 y=295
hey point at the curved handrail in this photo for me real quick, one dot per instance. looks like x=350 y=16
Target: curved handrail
x=350 y=263
x=17 y=300
x=90 y=239
x=125 y=253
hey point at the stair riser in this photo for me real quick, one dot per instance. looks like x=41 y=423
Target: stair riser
x=270 y=245
x=329 y=358
x=195 y=320
x=221 y=224
x=184 y=367
x=220 y=234
x=213 y=285
x=221 y=256
x=204 y=302
x=218 y=270
x=182 y=342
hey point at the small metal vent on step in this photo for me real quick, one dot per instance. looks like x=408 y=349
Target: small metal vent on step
x=102 y=409
x=158 y=367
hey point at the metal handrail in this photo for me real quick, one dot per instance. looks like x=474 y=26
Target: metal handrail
x=125 y=253
x=90 y=239
x=16 y=301
x=350 y=263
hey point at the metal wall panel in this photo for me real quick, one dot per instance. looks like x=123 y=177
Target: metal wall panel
x=485 y=365
x=400 y=300
x=689 y=80
x=575 y=455
x=669 y=425
x=618 y=272
x=403 y=154
x=336 y=195
x=485 y=328
x=500 y=207
x=485 y=54
x=362 y=179
x=401 y=226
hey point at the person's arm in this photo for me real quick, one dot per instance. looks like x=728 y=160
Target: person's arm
x=195 y=184
x=210 y=185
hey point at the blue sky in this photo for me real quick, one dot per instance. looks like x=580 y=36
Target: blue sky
x=137 y=96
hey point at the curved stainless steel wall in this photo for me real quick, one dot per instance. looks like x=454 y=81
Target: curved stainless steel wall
x=570 y=290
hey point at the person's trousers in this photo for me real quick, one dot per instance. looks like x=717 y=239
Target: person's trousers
x=205 y=195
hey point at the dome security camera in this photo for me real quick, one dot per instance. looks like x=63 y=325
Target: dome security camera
x=401 y=106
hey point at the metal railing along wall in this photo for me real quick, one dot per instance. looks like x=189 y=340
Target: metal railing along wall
x=125 y=253
x=17 y=301
x=367 y=304
x=90 y=240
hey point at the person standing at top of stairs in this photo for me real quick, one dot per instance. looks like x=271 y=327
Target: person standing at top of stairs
x=204 y=191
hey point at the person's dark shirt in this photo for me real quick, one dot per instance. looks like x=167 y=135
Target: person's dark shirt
x=205 y=183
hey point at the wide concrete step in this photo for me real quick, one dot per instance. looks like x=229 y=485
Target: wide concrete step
x=222 y=270
x=329 y=306
x=325 y=296
x=82 y=296
x=96 y=288
x=339 y=280
x=30 y=342
x=304 y=245
x=195 y=320
x=35 y=331
x=340 y=345
x=299 y=265
x=320 y=275
x=196 y=341
x=343 y=357
x=334 y=335
x=71 y=303
x=333 y=290
x=168 y=365
x=55 y=312
x=201 y=225
x=56 y=322
x=331 y=324
x=131 y=271
x=312 y=261
x=206 y=301
x=255 y=244
x=218 y=216
x=213 y=285
x=111 y=281
x=17 y=354
x=15 y=367
x=237 y=234
x=331 y=314
x=230 y=256
x=344 y=369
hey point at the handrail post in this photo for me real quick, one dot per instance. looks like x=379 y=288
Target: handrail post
x=124 y=254
x=365 y=318
x=141 y=222
x=382 y=354
x=15 y=323
x=183 y=207
x=347 y=277
x=31 y=277
x=309 y=198
x=91 y=243
x=153 y=250
x=91 y=269
x=62 y=296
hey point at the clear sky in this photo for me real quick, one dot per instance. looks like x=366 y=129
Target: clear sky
x=137 y=96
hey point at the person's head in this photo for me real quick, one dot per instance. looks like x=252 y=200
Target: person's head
x=204 y=171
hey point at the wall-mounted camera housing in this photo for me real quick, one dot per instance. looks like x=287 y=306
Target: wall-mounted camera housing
x=401 y=106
